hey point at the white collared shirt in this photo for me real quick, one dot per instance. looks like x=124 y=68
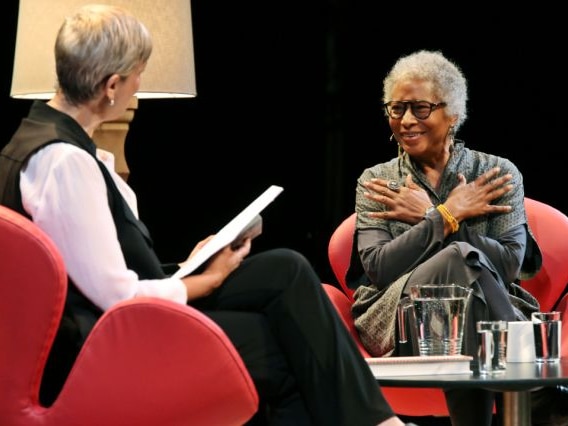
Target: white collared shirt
x=65 y=193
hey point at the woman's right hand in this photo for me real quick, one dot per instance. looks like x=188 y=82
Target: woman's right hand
x=218 y=267
x=407 y=204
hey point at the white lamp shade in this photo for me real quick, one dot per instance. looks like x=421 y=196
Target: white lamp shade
x=170 y=71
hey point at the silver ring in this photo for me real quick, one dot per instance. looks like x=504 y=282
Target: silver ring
x=393 y=185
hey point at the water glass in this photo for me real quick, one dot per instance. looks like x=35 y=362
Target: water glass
x=439 y=312
x=492 y=346
x=547 y=327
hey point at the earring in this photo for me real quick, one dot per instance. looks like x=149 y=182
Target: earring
x=111 y=102
x=451 y=134
x=399 y=148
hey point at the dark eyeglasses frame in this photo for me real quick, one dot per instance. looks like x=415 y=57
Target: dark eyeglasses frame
x=413 y=108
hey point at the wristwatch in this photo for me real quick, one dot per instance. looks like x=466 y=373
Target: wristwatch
x=428 y=211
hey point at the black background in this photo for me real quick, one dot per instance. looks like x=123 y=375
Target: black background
x=289 y=94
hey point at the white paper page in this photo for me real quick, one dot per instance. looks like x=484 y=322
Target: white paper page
x=230 y=231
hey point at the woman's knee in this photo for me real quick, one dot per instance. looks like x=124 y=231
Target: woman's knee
x=285 y=258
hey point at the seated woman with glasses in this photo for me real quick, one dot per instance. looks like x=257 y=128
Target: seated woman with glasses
x=439 y=212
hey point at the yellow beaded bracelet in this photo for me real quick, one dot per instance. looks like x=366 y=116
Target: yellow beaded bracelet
x=448 y=217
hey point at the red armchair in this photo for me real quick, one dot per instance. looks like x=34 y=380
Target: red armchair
x=146 y=362
x=550 y=228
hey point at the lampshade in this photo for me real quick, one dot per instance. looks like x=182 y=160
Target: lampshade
x=170 y=71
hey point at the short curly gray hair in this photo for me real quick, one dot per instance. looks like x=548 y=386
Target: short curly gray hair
x=448 y=83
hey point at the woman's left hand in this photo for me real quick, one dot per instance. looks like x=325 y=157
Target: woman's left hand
x=472 y=199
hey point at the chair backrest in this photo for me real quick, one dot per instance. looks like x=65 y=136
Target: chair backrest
x=548 y=224
x=33 y=285
x=550 y=228
x=339 y=251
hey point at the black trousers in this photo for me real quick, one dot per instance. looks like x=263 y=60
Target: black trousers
x=303 y=361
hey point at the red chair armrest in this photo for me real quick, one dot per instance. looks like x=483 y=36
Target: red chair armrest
x=150 y=361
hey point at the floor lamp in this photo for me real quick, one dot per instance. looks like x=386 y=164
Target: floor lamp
x=170 y=72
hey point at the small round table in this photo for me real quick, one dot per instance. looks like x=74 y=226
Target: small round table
x=515 y=383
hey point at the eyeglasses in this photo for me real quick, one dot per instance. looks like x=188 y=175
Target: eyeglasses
x=420 y=109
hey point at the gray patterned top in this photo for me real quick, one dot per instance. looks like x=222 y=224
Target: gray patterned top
x=471 y=164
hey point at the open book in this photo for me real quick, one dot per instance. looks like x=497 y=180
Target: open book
x=247 y=224
x=420 y=365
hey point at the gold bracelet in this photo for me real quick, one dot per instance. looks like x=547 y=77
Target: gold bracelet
x=448 y=217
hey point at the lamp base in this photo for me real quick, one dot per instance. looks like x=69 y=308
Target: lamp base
x=111 y=136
